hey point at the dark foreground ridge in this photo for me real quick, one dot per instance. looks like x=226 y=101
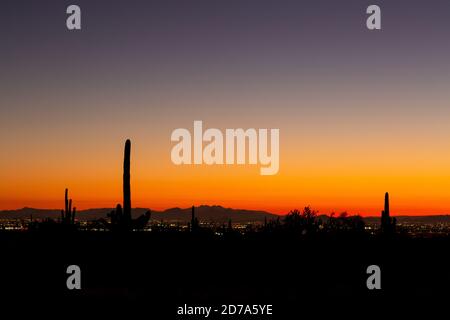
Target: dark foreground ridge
x=160 y=270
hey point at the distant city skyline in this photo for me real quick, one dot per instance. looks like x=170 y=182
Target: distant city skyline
x=360 y=112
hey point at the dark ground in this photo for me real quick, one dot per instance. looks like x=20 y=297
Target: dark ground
x=154 y=273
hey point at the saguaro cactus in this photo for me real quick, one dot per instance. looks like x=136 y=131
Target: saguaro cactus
x=126 y=181
x=386 y=204
x=387 y=223
x=121 y=217
x=68 y=214
x=194 y=220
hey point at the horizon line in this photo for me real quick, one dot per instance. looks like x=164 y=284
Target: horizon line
x=243 y=209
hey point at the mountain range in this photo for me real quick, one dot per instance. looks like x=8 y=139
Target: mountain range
x=215 y=214
x=205 y=213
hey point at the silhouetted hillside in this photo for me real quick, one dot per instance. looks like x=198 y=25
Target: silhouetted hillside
x=82 y=215
x=204 y=213
x=217 y=214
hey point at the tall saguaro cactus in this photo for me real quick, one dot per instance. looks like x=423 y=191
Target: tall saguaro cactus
x=121 y=217
x=126 y=181
x=387 y=223
x=68 y=214
x=386 y=204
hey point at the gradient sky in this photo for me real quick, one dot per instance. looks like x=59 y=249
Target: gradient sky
x=360 y=112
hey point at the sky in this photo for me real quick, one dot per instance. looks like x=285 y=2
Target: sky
x=360 y=112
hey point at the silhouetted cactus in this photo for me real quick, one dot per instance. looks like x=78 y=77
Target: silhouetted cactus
x=126 y=181
x=117 y=216
x=68 y=214
x=194 y=220
x=121 y=218
x=387 y=223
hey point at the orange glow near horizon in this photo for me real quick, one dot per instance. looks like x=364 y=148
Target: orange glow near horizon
x=344 y=160
x=301 y=181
